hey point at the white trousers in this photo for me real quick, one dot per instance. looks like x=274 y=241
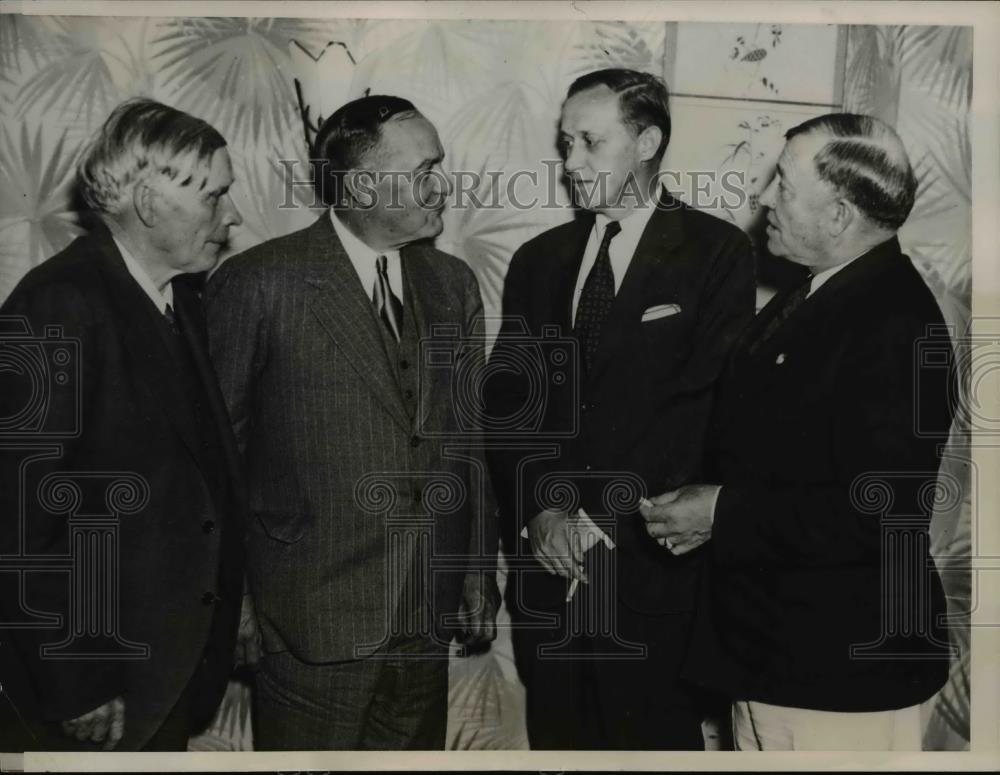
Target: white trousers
x=758 y=726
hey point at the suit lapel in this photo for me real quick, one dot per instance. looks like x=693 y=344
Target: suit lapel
x=143 y=336
x=425 y=295
x=196 y=336
x=348 y=316
x=823 y=308
x=753 y=332
x=570 y=261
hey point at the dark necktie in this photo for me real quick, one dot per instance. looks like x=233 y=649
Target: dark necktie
x=388 y=305
x=171 y=318
x=597 y=297
x=791 y=303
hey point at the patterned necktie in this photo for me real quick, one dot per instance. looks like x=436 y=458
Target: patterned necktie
x=388 y=305
x=597 y=297
x=788 y=306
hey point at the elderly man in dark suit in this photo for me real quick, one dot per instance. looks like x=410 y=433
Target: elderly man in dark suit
x=652 y=293
x=371 y=524
x=122 y=626
x=823 y=617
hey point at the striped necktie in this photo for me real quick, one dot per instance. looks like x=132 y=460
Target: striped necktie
x=388 y=305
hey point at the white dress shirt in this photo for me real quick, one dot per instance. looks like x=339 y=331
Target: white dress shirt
x=621 y=249
x=821 y=277
x=363 y=260
x=161 y=300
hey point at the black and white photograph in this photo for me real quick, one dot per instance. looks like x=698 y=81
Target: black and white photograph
x=557 y=380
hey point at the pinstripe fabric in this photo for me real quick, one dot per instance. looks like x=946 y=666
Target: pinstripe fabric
x=326 y=432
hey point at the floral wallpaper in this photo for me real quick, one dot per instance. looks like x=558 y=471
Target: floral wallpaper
x=493 y=89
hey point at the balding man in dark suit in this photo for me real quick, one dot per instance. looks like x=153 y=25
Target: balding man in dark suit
x=823 y=615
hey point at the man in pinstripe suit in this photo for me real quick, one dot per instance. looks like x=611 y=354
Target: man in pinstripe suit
x=371 y=525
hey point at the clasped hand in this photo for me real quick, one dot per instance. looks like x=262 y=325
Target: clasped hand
x=681 y=520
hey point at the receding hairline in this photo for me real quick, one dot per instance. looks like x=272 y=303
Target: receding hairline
x=865 y=160
x=878 y=135
x=377 y=151
x=823 y=139
x=608 y=93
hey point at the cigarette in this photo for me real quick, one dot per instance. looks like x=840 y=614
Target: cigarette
x=572 y=589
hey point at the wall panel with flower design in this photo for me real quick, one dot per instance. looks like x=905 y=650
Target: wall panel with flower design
x=493 y=89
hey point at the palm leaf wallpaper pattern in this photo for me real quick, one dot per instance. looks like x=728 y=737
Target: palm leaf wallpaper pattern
x=493 y=89
x=233 y=72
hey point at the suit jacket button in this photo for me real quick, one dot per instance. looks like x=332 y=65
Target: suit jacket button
x=404 y=364
x=415 y=441
x=208 y=598
x=207 y=526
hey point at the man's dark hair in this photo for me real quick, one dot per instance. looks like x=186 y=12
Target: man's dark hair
x=643 y=99
x=865 y=160
x=348 y=135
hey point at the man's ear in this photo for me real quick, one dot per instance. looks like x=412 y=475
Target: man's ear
x=144 y=202
x=649 y=142
x=841 y=215
x=359 y=185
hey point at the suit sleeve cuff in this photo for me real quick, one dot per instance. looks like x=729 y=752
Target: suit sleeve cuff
x=715 y=504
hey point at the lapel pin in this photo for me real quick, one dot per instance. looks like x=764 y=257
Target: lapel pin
x=780 y=359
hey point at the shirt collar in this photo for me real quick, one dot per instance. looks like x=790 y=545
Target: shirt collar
x=821 y=277
x=632 y=224
x=358 y=251
x=141 y=276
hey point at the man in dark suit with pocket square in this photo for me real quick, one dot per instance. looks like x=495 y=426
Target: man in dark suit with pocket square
x=651 y=292
x=372 y=537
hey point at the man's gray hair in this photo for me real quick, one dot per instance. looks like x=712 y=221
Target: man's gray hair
x=865 y=160
x=139 y=139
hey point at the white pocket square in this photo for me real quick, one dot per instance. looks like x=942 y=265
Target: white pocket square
x=660 y=311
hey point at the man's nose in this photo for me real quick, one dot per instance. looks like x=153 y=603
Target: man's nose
x=767 y=196
x=443 y=182
x=232 y=216
x=574 y=159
